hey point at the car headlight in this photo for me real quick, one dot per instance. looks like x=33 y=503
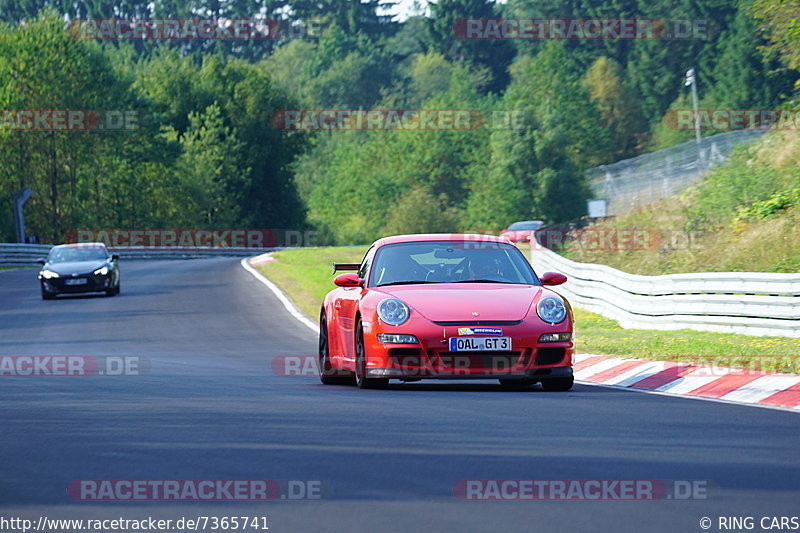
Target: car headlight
x=551 y=310
x=390 y=338
x=393 y=311
x=556 y=337
x=101 y=271
x=49 y=274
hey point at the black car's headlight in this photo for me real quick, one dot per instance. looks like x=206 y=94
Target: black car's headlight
x=551 y=309
x=102 y=271
x=393 y=311
x=49 y=274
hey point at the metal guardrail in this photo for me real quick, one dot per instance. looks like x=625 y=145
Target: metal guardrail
x=752 y=303
x=23 y=255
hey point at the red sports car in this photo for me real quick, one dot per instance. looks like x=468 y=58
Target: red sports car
x=521 y=231
x=445 y=306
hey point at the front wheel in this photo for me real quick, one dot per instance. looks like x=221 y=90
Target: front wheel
x=362 y=381
x=46 y=295
x=558 y=384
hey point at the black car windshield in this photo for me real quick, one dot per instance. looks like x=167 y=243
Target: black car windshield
x=450 y=262
x=531 y=224
x=68 y=255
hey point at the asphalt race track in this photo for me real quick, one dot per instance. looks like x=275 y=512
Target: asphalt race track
x=210 y=406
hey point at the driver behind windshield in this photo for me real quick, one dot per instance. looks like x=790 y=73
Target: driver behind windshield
x=485 y=266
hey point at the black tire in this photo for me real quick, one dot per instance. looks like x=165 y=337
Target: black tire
x=516 y=383
x=326 y=372
x=558 y=384
x=46 y=295
x=363 y=382
x=117 y=288
x=111 y=292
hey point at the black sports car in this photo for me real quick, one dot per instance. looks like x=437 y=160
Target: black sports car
x=76 y=268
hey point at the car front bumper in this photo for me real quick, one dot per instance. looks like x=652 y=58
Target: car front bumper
x=410 y=374
x=431 y=358
x=90 y=283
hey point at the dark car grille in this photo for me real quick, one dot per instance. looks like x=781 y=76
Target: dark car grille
x=93 y=283
x=490 y=361
x=549 y=356
x=406 y=357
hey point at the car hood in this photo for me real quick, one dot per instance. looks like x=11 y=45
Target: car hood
x=451 y=302
x=75 y=267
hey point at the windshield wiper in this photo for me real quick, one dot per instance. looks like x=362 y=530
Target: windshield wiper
x=404 y=283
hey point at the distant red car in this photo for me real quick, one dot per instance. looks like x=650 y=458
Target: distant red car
x=521 y=231
x=445 y=306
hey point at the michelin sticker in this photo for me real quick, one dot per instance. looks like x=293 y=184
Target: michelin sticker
x=480 y=331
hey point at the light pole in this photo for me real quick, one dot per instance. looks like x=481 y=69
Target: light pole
x=19 y=200
x=691 y=79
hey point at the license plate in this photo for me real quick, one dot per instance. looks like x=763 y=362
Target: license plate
x=480 y=344
x=79 y=281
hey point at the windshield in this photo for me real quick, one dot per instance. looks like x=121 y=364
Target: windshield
x=531 y=224
x=450 y=262
x=68 y=255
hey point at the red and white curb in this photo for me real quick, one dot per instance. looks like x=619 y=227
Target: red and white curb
x=761 y=389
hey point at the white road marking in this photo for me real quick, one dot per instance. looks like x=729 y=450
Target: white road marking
x=287 y=303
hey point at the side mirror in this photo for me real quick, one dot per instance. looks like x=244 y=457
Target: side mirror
x=553 y=278
x=41 y=261
x=349 y=279
x=114 y=257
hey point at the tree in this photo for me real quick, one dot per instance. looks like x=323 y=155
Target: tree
x=618 y=107
x=346 y=70
x=42 y=67
x=780 y=20
x=351 y=16
x=549 y=86
x=209 y=172
x=743 y=77
x=441 y=37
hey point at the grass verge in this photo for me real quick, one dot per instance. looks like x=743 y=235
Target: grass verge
x=306 y=275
